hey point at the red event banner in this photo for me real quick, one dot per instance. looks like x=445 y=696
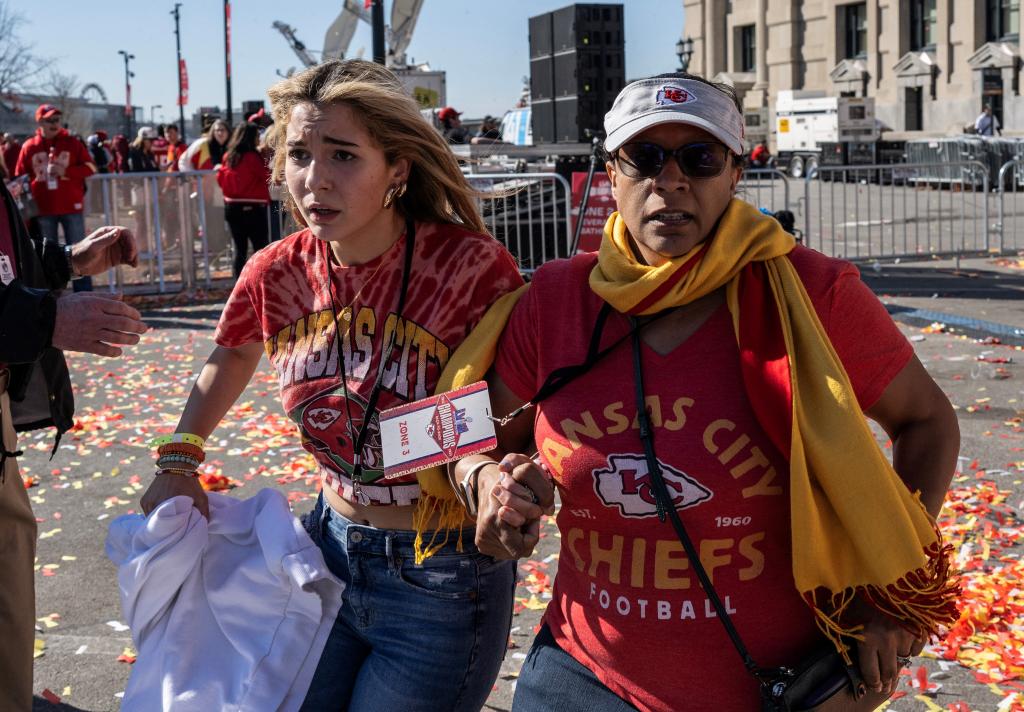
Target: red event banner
x=600 y=205
x=227 y=44
x=183 y=81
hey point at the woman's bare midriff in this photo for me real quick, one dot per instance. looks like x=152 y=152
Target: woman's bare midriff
x=397 y=517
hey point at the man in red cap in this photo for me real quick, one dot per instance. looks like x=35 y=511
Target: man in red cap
x=451 y=125
x=58 y=164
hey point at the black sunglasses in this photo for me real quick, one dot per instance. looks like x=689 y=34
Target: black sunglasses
x=706 y=159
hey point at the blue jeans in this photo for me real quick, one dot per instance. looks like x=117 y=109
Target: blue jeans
x=551 y=679
x=74 y=231
x=426 y=638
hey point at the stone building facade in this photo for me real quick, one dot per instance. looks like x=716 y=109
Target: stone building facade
x=931 y=65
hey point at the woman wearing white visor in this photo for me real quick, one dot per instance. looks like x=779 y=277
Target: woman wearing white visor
x=743 y=525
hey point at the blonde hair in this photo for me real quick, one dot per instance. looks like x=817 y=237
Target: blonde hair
x=436 y=189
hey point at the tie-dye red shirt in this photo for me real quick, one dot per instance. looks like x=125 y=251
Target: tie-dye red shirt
x=281 y=299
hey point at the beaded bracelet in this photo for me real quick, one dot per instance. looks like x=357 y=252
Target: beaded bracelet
x=188 y=438
x=178 y=461
x=172 y=457
x=172 y=471
x=181 y=449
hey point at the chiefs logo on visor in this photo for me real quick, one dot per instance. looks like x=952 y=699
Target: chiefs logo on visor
x=669 y=94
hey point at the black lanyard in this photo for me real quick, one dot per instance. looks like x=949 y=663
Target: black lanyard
x=359 y=440
x=562 y=376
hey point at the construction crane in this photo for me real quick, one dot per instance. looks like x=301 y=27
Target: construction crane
x=339 y=34
x=404 y=14
x=300 y=50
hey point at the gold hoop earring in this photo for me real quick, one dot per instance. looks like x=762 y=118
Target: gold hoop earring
x=394 y=193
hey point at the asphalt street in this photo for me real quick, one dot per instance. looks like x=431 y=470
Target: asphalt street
x=102 y=467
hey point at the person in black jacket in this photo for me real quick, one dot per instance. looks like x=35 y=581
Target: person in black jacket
x=37 y=323
x=140 y=154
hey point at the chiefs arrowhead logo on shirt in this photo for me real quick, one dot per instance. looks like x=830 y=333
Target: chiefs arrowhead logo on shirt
x=321 y=418
x=627 y=485
x=325 y=432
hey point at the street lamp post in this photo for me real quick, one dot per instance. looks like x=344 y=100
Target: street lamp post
x=227 y=57
x=684 y=50
x=152 y=114
x=128 y=74
x=177 y=40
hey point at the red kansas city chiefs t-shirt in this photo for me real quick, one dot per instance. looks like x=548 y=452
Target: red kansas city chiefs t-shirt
x=626 y=601
x=282 y=300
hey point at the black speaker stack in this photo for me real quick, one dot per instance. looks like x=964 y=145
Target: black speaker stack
x=577 y=68
x=251 y=107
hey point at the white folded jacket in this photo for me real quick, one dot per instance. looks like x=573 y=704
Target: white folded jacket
x=230 y=614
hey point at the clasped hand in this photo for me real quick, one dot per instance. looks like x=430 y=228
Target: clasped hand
x=512 y=499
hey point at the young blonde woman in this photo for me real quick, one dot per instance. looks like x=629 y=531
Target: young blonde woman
x=359 y=312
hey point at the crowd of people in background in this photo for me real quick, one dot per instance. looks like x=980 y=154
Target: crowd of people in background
x=47 y=171
x=241 y=159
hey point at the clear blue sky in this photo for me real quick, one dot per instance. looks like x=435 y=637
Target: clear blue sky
x=481 y=44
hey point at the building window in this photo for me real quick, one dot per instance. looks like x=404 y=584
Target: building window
x=855 y=30
x=1002 y=20
x=924 y=19
x=914 y=105
x=748 y=49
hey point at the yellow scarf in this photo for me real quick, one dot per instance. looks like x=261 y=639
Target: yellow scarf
x=856 y=529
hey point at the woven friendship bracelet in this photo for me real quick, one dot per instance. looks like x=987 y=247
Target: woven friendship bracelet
x=188 y=438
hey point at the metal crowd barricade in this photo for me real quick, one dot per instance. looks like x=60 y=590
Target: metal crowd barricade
x=991 y=151
x=1010 y=225
x=178 y=222
x=529 y=213
x=765 y=188
x=910 y=210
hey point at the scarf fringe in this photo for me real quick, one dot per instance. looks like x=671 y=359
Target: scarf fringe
x=450 y=517
x=922 y=601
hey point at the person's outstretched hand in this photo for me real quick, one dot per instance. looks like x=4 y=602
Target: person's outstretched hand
x=104 y=248
x=93 y=323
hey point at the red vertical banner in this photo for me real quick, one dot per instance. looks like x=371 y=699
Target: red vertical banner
x=183 y=83
x=600 y=205
x=227 y=39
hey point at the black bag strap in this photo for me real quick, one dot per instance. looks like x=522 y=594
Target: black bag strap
x=665 y=506
x=564 y=375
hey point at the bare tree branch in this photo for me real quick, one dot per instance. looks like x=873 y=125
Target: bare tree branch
x=65 y=90
x=20 y=67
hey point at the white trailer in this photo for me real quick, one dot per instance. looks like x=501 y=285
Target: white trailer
x=804 y=120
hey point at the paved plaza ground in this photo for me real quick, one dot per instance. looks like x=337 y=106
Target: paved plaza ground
x=103 y=466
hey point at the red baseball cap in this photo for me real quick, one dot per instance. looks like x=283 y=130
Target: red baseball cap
x=46 y=111
x=448 y=113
